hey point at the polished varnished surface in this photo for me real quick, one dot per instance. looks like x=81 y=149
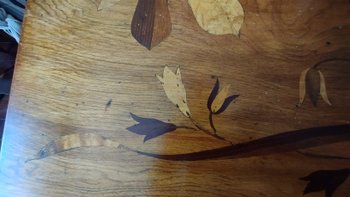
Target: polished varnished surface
x=79 y=70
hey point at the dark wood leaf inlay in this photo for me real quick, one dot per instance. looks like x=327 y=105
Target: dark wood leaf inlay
x=226 y=103
x=151 y=22
x=313 y=85
x=213 y=94
x=150 y=128
x=327 y=180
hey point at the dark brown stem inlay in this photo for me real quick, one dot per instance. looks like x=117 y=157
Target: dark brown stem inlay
x=322 y=156
x=211 y=121
x=284 y=142
x=330 y=60
x=200 y=128
x=288 y=141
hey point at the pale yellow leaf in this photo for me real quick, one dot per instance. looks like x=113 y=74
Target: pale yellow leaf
x=323 y=90
x=220 y=99
x=175 y=89
x=218 y=16
x=302 y=86
x=102 y=4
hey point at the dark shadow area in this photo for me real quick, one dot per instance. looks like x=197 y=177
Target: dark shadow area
x=8 y=51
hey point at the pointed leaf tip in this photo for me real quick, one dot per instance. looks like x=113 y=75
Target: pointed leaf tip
x=178 y=71
x=160 y=78
x=226 y=103
x=151 y=22
x=302 y=86
x=146 y=138
x=136 y=118
x=175 y=90
x=327 y=180
x=323 y=89
x=213 y=94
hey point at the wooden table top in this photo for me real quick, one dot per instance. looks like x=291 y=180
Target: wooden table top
x=89 y=117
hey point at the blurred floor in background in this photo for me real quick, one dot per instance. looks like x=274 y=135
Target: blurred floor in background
x=11 y=16
x=8 y=51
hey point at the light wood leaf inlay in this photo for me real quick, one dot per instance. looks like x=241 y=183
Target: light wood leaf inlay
x=302 y=86
x=220 y=99
x=218 y=16
x=175 y=89
x=323 y=89
x=103 y=4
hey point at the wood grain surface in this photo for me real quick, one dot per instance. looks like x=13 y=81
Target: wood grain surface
x=79 y=70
